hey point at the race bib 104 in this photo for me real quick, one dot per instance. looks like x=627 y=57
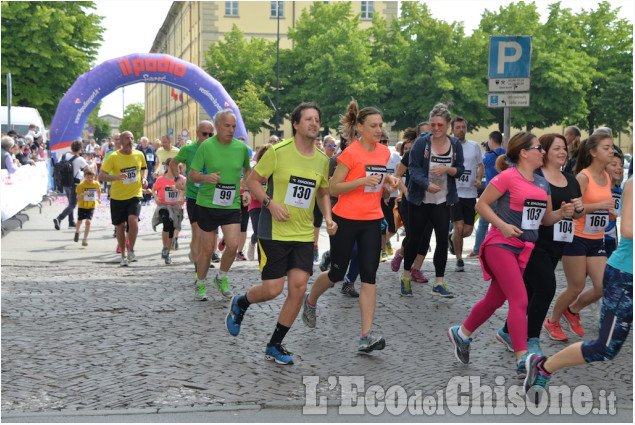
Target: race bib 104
x=563 y=230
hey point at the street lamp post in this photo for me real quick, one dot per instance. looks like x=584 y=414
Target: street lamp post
x=277 y=66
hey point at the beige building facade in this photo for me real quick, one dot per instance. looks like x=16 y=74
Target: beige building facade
x=192 y=26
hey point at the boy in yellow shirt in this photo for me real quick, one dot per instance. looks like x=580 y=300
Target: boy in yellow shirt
x=88 y=197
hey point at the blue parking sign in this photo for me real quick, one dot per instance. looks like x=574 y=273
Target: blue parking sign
x=509 y=56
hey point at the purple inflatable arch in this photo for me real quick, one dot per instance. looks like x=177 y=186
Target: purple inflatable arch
x=91 y=87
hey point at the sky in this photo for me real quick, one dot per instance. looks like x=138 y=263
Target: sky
x=131 y=26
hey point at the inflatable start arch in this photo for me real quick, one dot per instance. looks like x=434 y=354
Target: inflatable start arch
x=91 y=87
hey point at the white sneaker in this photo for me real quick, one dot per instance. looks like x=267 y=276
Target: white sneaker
x=124 y=262
x=131 y=256
x=250 y=251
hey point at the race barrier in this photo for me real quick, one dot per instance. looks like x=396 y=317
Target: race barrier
x=24 y=187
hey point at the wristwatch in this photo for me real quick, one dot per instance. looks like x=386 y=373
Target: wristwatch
x=266 y=201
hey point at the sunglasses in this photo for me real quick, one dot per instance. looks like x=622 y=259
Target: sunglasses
x=331 y=145
x=207 y=134
x=383 y=141
x=539 y=147
x=435 y=125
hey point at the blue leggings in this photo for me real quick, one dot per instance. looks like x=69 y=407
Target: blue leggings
x=615 y=319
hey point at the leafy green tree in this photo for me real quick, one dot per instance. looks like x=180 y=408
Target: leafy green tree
x=330 y=62
x=252 y=109
x=133 y=117
x=237 y=62
x=46 y=45
x=609 y=41
x=102 y=127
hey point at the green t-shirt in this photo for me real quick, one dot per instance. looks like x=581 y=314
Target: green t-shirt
x=292 y=180
x=186 y=155
x=230 y=160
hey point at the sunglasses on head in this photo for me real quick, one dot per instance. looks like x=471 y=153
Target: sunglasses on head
x=383 y=141
x=205 y=134
x=331 y=145
x=539 y=147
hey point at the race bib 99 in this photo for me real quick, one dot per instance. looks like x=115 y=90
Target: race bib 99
x=224 y=194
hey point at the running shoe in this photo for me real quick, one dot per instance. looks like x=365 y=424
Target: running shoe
x=223 y=287
x=84 y=242
x=235 y=316
x=201 y=293
x=460 y=266
x=240 y=256
x=389 y=248
x=316 y=255
x=383 y=257
x=395 y=263
x=555 y=330
x=461 y=346
x=325 y=261
x=124 y=262
x=309 y=316
x=349 y=289
x=573 y=320
x=221 y=245
x=251 y=252
x=76 y=237
x=56 y=223
x=168 y=259
x=215 y=258
x=533 y=346
x=131 y=256
x=370 y=342
x=279 y=354
x=417 y=276
x=521 y=367
x=472 y=254
x=504 y=338
x=164 y=252
x=451 y=244
x=406 y=290
x=536 y=376
x=441 y=290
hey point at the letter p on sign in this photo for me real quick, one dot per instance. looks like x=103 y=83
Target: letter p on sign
x=509 y=56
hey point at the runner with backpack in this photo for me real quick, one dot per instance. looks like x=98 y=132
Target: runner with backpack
x=67 y=174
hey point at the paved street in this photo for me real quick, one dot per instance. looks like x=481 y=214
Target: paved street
x=83 y=336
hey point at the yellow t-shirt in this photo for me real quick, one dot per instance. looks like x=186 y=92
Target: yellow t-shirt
x=131 y=164
x=88 y=194
x=162 y=156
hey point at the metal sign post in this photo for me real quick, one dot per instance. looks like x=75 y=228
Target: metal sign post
x=509 y=64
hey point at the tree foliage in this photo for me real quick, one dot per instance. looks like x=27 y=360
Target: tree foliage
x=133 y=117
x=46 y=45
x=252 y=109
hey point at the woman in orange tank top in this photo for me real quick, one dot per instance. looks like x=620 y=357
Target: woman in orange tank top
x=586 y=255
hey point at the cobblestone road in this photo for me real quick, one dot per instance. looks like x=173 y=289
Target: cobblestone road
x=81 y=333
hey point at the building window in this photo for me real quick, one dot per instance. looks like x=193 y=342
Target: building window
x=277 y=7
x=231 y=8
x=367 y=9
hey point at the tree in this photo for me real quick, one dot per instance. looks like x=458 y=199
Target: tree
x=427 y=61
x=102 y=127
x=248 y=65
x=46 y=46
x=133 y=117
x=252 y=109
x=330 y=62
x=609 y=41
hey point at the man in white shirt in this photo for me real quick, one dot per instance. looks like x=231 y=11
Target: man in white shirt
x=463 y=213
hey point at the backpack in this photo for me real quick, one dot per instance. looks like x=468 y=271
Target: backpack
x=63 y=173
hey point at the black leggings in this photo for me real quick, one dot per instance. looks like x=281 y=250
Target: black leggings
x=418 y=216
x=367 y=234
x=424 y=242
x=168 y=225
x=389 y=214
x=540 y=283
